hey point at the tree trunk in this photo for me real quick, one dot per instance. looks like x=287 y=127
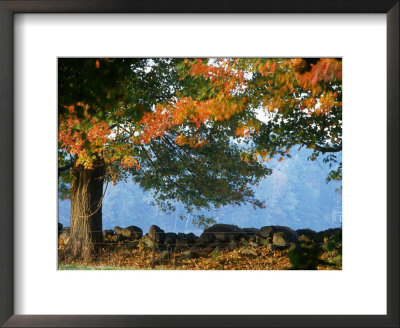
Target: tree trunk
x=86 y=209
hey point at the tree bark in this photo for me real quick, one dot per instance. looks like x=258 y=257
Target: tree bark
x=86 y=209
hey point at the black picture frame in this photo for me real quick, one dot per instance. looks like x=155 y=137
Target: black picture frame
x=10 y=7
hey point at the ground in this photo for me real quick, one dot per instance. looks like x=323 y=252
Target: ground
x=125 y=257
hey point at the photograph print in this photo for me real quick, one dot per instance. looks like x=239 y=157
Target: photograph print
x=199 y=163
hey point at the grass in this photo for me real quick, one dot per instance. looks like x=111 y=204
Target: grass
x=86 y=267
x=103 y=267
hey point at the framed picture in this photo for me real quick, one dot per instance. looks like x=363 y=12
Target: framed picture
x=48 y=43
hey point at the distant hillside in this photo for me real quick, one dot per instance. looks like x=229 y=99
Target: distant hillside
x=296 y=195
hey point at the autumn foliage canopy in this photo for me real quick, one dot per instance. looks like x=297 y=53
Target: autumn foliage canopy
x=132 y=112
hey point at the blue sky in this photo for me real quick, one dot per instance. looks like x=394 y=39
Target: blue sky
x=295 y=195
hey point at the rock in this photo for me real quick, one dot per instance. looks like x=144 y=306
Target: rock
x=248 y=232
x=283 y=238
x=266 y=231
x=244 y=242
x=60 y=226
x=264 y=241
x=157 y=234
x=183 y=243
x=191 y=237
x=253 y=244
x=304 y=238
x=222 y=232
x=118 y=230
x=215 y=243
x=132 y=244
x=279 y=239
x=186 y=240
x=170 y=238
x=333 y=233
x=311 y=234
x=189 y=255
x=147 y=241
x=290 y=235
x=107 y=235
x=115 y=238
x=65 y=235
x=132 y=233
x=205 y=238
x=247 y=251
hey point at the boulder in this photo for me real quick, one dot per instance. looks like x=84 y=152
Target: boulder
x=248 y=232
x=266 y=231
x=269 y=231
x=107 y=235
x=222 y=232
x=147 y=241
x=264 y=241
x=65 y=235
x=185 y=240
x=310 y=234
x=244 y=242
x=157 y=234
x=283 y=238
x=183 y=243
x=305 y=238
x=115 y=238
x=132 y=244
x=248 y=251
x=132 y=233
x=205 y=238
x=191 y=237
x=253 y=238
x=214 y=244
x=170 y=238
x=332 y=233
x=253 y=244
x=118 y=230
x=279 y=239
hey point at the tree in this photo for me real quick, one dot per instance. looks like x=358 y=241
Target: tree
x=188 y=129
x=301 y=99
x=106 y=133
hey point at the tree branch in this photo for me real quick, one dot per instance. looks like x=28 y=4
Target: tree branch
x=64 y=168
x=328 y=149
